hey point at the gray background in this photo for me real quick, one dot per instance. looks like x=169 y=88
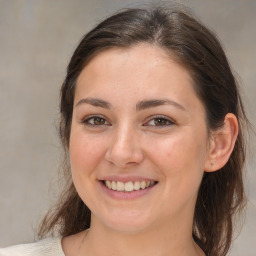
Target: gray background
x=37 y=38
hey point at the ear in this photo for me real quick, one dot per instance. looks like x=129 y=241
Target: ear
x=222 y=143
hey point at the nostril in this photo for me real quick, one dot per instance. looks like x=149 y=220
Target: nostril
x=125 y=150
x=124 y=158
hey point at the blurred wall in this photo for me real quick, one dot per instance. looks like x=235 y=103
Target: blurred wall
x=37 y=39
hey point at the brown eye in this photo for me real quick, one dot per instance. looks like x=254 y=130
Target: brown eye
x=98 y=121
x=95 y=121
x=160 y=122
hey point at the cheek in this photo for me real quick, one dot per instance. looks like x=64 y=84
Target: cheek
x=180 y=159
x=85 y=156
x=179 y=152
x=84 y=152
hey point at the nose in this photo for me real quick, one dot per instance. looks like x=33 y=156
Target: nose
x=125 y=148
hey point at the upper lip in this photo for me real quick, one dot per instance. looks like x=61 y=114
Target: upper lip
x=127 y=178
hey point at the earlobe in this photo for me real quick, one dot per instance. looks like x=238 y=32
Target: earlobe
x=222 y=144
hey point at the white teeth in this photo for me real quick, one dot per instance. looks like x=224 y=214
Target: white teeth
x=128 y=186
x=136 y=185
x=143 y=184
x=108 y=184
x=120 y=186
x=113 y=185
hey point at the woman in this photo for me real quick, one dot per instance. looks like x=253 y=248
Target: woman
x=152 y=126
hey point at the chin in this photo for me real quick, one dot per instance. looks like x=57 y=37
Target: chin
x=129 y=223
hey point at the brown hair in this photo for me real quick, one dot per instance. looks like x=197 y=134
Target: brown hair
x=221 y=195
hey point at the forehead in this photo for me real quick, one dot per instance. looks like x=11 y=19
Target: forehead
x=137 y=72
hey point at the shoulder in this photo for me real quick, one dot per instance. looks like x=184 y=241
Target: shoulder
x=46 y=247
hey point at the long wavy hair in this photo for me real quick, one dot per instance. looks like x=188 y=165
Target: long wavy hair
x=221 y=195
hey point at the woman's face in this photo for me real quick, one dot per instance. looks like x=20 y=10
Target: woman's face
x=138 y=142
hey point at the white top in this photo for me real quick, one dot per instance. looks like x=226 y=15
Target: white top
x=46 y=247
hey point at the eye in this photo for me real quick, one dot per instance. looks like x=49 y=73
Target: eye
x=160 y=121
x=95 y=121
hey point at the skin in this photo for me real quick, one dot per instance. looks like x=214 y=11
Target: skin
x=126 y=142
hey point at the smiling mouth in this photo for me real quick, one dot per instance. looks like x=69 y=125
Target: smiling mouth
x=128 y=186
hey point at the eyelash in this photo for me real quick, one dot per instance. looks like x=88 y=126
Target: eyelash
x=87 y=121
x=162 y=118
x=167 y=121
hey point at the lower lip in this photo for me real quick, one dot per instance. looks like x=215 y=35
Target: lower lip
x=123 y=195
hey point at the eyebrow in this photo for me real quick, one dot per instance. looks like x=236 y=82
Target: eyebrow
x=95 y=102
x=144 y=104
